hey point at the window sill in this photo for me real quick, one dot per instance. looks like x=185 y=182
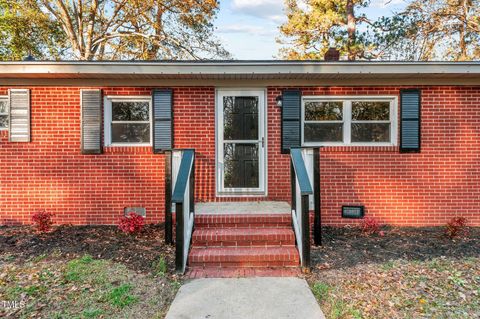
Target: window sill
x=359 y=148
x=129 y=145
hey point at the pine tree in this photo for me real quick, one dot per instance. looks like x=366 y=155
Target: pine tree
x=315 y=25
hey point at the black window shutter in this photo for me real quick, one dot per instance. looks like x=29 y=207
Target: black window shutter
x=291 y=103
x=91 y=121
x=19 y=124
x=410 y=100
x=162 y=120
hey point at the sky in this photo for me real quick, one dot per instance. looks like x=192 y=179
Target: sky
x=248 y=28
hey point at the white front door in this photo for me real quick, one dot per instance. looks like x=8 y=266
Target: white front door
x=241 y=144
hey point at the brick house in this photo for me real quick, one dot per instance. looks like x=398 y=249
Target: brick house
x=397 y=141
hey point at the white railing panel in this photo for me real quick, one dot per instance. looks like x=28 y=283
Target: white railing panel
x=186 y=223
x=297 y=219
x=307 y=154
x=176 y=160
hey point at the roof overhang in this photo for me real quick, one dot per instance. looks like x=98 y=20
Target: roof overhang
x=215 y=72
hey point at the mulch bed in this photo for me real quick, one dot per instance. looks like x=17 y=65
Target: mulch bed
x=137 y=252
x=348 y=247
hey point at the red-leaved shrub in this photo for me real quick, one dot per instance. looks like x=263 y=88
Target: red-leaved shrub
x=370 y=226
x=131 y=224
x=42 y=221
x=456 y=227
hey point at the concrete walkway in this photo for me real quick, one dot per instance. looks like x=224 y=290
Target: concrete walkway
x=245 y=298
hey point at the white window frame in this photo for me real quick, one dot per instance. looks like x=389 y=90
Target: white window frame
x=347 y=119
x=108 y=118
x=6 y=99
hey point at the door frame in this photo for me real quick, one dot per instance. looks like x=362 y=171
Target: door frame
x=220 y=190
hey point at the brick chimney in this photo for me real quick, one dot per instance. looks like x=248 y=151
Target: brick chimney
x=332 y=54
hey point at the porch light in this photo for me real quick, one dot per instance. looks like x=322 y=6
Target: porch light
x=279 y=100
x=353 y=211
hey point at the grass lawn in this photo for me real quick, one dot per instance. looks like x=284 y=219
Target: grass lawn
x=407 y=273
x=86 y=272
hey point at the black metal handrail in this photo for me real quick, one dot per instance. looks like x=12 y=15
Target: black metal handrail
x=301 y=189
x=184 y=199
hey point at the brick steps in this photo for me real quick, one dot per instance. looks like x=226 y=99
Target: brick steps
x=235 y=245
x=242 y=272
x=243 y=221
x=218 y=237
x=244 y=257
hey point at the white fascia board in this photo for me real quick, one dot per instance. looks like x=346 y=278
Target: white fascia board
x=19 y=69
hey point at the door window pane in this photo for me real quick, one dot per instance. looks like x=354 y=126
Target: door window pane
x=371 y=132
x=241 y=165
x=323 y=132
x=370 y=111
x=130 y=111
x=240 y=114
x=324 y=111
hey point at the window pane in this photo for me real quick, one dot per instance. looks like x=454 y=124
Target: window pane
x=323 y=111
x=328 y=132
x=240 y=117
x=370 y=111
x=3 y=121
x=130 y=111
x=370 y=132
x=130 y=133
x=3 y=107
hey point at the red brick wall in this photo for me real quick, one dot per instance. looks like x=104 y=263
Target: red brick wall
x=410 y=189
x=428 y=188
x=51 y=173
x=194 y=126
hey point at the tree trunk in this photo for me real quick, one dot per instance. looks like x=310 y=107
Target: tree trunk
x=158 y=27
x=351 y=29
x=463 y=28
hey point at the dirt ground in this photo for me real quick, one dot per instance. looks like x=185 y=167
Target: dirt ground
x=347 y=247
x=86 y=272
x=406 y=273
x=102 y=242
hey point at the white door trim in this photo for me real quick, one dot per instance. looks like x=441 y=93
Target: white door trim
x=221 y=191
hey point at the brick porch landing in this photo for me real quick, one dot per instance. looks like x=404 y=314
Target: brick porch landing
x=223 y=208
x=243 y=240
